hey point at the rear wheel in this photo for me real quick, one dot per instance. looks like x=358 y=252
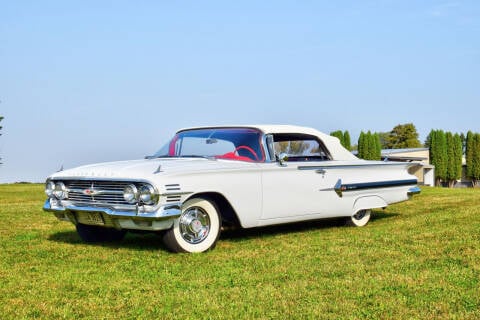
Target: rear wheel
x=99 y=234
x=360 y=218
x=197 y=229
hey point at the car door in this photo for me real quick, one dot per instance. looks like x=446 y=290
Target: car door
x=302 y=186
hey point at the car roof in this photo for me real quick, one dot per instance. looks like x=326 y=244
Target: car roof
x=332 y=143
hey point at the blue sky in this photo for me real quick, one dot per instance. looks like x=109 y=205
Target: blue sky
x=93 y=81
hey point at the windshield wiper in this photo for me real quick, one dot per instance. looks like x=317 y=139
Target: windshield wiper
x=197 y=156
x=182 y=156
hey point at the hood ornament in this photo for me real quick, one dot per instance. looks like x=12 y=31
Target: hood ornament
x=61 y=169
x=159 y=169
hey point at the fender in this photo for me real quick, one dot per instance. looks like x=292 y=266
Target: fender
x=368 y=202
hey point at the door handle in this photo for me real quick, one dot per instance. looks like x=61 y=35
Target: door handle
x=321 y=171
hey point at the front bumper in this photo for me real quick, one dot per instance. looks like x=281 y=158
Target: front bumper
x=160 y=219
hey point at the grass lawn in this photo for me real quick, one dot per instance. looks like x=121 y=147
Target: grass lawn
x=418 y=259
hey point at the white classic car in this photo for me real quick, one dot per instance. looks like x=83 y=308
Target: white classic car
x=209 y=177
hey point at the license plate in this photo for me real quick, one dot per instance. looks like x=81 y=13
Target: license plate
x=91 y=218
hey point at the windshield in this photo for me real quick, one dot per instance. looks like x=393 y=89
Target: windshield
x=241 y=144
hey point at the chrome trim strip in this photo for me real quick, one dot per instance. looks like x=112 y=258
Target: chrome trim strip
x=340 y=188
x=349 y=166
x=174 y=193
x=378 y=184
x=115 y=179
x=95 y=191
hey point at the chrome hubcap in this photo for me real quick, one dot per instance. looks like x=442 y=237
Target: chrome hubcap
x=359 y=215
x=194 y=225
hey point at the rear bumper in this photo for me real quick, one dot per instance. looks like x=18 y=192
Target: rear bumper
x=413 y=191
x=160 y=219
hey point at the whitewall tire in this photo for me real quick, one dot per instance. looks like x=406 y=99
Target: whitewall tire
x=360 y=218
x=197 y=229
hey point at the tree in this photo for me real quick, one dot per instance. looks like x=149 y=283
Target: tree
x=378 y=146
x=438 y=154
x=449 y=176
x=369 y=146
x=454 y=158
x=469 y=153
x=458 y=155
x=361 y=145
x=403 y=136
x=476 y=159
x=473 y=157
x=347 y=141
x=383 y=136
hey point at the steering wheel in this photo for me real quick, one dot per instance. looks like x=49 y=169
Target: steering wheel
x=249 y=150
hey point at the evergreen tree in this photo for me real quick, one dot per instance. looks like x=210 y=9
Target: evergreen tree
x=476 y=159
x=347 y=140
x=451 y=174
x=458 y=154
x=369 y=146
x=438 y=154
x=428 y=140
x=469 y=154
x=378 y=147
x=361 y=145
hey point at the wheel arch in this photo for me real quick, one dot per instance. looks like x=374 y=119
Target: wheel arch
x=368 y=202
x=226 y=211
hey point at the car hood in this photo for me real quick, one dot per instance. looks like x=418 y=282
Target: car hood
x=144 y=169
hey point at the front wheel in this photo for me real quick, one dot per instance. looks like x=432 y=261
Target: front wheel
x=197 y=229
x=99 y=234
x=360 y=218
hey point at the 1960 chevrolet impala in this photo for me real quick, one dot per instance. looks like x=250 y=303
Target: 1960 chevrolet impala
x=246 y=176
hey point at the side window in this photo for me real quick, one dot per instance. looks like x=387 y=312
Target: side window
x=300 y=147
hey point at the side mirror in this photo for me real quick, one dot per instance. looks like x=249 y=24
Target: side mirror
x=282 y=158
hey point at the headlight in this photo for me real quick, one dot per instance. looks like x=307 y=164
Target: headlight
x=147 y=194
x=49 y=187
x=60 y=191
x=130 y=193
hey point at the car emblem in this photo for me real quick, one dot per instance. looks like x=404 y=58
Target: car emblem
x=90 y=192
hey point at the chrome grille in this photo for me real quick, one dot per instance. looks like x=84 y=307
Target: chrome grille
x=103 y=192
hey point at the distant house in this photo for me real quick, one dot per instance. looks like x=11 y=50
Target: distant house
x=425 y=172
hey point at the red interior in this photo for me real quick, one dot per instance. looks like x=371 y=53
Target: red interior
x=233 y=156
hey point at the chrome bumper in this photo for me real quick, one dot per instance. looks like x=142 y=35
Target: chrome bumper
x=160 y=219
x=413 y=191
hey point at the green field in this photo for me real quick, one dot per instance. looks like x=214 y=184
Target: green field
x=418 y=259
